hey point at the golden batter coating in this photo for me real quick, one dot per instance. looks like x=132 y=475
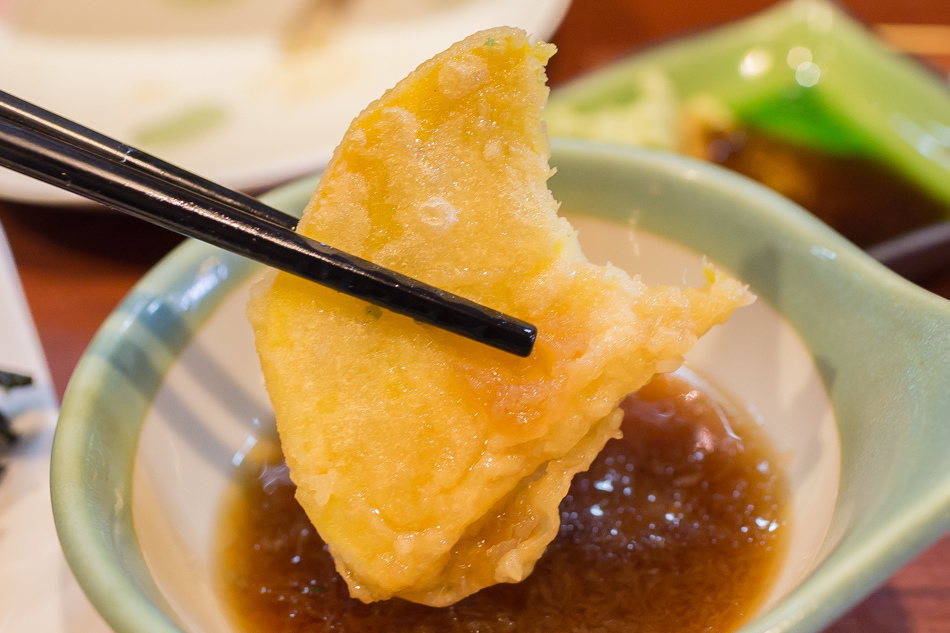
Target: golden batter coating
x=431 y=465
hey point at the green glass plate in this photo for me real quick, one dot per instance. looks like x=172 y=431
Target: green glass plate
x=803 y=71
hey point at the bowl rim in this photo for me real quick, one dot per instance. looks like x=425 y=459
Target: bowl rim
x=108 y=563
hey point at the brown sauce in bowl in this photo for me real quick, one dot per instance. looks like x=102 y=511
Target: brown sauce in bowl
x=678 y=526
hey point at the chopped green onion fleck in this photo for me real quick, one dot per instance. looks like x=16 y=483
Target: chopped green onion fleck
x=490 y=41
x=374 y=311
x=185 y=125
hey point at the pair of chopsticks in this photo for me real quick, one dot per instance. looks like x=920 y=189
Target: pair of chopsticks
x=62 y=153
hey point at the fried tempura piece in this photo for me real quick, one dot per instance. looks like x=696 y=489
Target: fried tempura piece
x=431 y=465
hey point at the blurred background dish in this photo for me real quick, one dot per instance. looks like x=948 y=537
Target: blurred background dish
x=245 y=92
x=37 y=590
x=802 y=98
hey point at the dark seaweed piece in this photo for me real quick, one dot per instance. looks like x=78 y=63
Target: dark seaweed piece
x=5 y=431
x=10 y=380
x=7 y=439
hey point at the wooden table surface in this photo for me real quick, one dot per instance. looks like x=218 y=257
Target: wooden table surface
x=76 y=266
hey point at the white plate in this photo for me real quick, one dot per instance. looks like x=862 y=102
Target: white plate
x=215 y=87
x=38 y=593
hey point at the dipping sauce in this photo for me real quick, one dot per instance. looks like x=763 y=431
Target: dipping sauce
x=678 y=526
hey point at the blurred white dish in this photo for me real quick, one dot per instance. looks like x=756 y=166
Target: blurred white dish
x=226 y=89
x=37 y=591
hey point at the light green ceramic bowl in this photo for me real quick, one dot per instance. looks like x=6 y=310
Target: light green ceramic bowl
x=168 y=396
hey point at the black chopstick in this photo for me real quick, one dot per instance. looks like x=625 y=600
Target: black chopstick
x=62 y=153
x=918 y=254
x=26 y=114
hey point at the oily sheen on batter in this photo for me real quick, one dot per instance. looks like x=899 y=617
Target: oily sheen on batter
x=433 y=466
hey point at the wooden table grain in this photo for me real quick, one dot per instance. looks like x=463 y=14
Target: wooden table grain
x=76 y=266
